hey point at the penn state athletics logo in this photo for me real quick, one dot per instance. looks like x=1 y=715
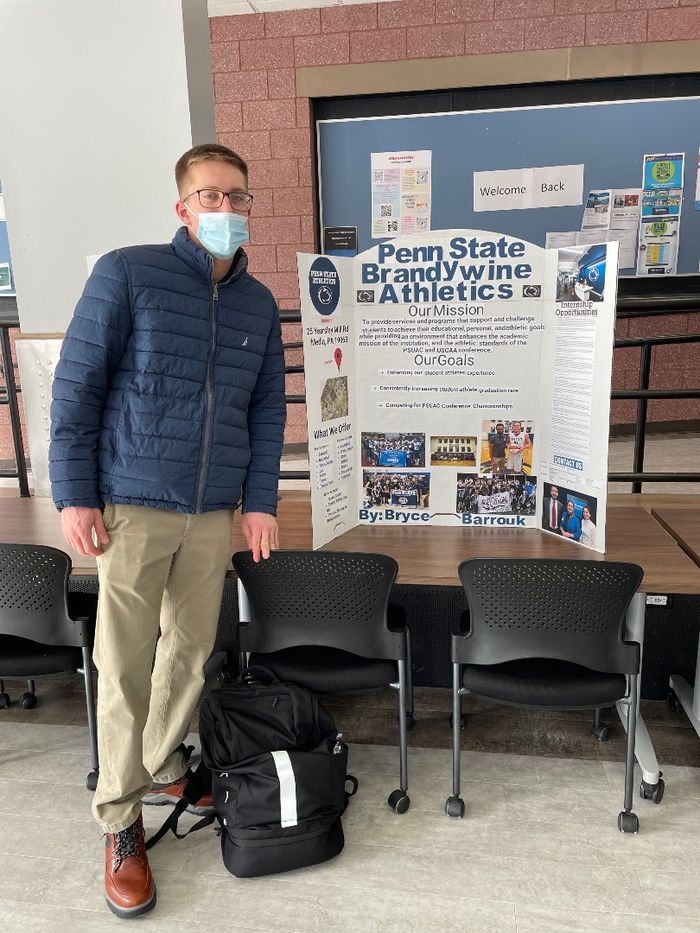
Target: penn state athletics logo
x=324 y=285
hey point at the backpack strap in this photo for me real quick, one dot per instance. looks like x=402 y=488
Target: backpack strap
x=198 y=785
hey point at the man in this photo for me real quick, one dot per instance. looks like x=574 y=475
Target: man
x=498 y=445
x=168 y=414
x=518 y=442
x=552 y=511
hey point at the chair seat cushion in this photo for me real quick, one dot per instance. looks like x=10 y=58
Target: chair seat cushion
x=20 y=657
x=544 y=682
x=327 y=670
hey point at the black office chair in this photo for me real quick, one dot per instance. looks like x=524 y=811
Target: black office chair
x=547 y=633
x=37 y=634
x=324 y=620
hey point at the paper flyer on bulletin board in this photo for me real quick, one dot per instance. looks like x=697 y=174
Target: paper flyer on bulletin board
x=401 y=191
x=460 y=378
x=659 y=228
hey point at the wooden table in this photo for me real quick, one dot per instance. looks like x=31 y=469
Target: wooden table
x=426 y=556
x=683 y=524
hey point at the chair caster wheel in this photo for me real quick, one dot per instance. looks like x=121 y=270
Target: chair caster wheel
x=652 y=792
x=27 y=701
x=91 y=780
x=399 y=801
x=601 y=732
x=628 y=822
x=462 y=721
x=672 y=701
x=454 y=806
x=4 y=700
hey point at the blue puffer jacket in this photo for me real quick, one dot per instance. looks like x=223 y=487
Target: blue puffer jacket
x=170 y=390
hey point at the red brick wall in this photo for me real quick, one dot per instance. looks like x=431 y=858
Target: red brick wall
x=258 y=114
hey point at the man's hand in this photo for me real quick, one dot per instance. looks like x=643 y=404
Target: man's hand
x=77 y=524
x=261 y=533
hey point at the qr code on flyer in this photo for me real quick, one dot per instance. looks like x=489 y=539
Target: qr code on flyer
x=422 y=176
x=385 y=210
x=392 y=226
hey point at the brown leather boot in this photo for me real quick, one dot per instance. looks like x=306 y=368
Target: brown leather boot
x=129 y=886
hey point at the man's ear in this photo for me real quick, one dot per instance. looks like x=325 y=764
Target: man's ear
x=183 y=213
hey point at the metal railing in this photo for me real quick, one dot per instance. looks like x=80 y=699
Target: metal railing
x=9 y=392
x=637 y=297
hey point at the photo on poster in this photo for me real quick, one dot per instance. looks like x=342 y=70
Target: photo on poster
x=393 y=450
x=387 y=489
x=453 y=450
x=569 y=514
x=506 y=446
x=334 y=398
x=581 y=273
x=509 y=494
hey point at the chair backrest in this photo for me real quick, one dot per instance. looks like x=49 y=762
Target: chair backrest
x=33 y=595
x=572 y=610
x=336 y=600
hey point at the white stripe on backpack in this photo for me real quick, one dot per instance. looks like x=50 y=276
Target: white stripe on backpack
x=288 y=788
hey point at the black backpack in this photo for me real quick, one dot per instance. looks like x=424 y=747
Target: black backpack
x=277 y=769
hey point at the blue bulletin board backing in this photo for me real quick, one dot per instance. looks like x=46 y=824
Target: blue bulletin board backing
x=610 y=139
x=5 y=255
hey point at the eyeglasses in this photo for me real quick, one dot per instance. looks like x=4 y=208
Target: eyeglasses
x=211 y=199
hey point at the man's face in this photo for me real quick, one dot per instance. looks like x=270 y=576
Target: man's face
x=500 y=428
x=208 y=174
x=516 y=427
x=554 y=492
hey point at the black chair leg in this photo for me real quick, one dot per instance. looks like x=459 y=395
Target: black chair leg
x=4 y=697
x=410 y=718
x=627 y=821
x=399 y=799
x=454 y=805
x=28 y=699
x=599 y=729
x=91 y=780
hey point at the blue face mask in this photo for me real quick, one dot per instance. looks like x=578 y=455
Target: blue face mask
x=221 y=233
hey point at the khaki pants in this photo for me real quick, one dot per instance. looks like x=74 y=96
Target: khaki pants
x=161 y=570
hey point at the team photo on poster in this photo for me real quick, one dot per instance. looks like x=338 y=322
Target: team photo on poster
x=507 y=494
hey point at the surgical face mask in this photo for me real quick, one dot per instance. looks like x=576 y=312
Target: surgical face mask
x=221 y=232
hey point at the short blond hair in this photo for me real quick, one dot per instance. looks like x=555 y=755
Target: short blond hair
x=204 y=153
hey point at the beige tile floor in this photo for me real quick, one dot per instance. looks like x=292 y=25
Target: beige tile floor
x=538 y=852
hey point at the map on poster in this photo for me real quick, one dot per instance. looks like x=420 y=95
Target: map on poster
x=460 y=378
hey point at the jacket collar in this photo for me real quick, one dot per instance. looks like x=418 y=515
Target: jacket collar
x=200 y=261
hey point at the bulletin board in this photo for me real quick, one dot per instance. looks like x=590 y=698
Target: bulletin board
x=609 y=138
x=7 y=282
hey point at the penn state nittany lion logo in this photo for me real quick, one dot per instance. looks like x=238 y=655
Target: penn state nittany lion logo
x=324 y=285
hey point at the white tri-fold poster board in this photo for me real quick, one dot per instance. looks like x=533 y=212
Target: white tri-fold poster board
x=460 y=378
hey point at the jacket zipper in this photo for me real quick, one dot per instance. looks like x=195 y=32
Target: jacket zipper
x=206 y=442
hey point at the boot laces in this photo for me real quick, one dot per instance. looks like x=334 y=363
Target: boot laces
x=128 y=842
